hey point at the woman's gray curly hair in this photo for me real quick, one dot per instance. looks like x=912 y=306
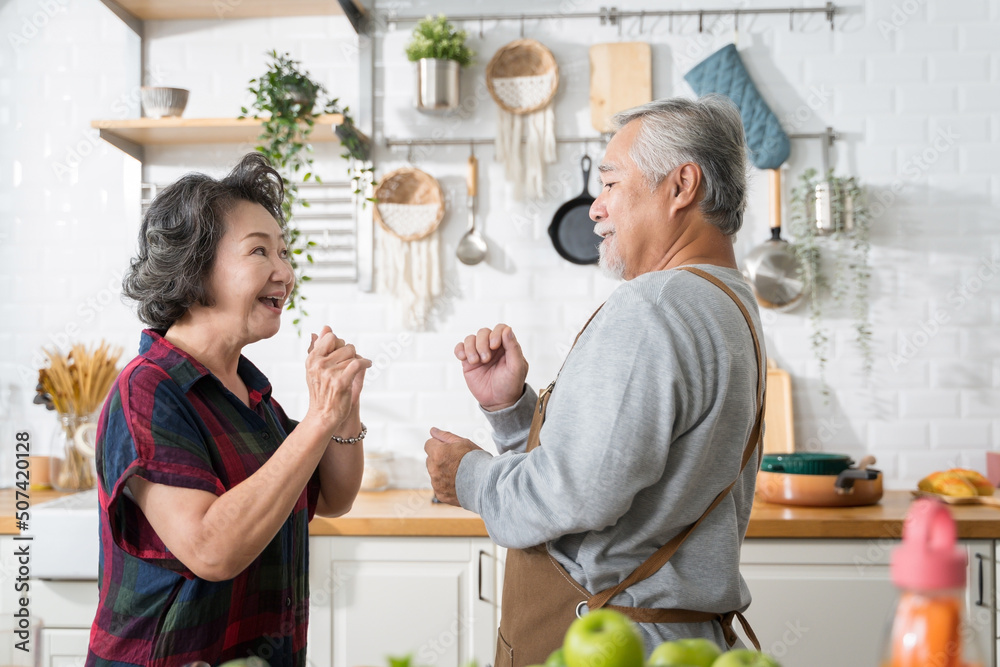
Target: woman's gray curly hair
x=180 y=234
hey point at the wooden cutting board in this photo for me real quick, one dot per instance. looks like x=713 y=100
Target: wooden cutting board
x=620 y=78
x=779 y=431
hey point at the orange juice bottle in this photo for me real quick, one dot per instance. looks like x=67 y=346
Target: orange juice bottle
x=928 y=629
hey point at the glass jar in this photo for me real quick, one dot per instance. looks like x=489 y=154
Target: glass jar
x=71 y=464
x=378 y=471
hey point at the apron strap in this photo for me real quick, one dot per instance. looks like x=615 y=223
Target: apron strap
x=648 y=615
x=659 y=558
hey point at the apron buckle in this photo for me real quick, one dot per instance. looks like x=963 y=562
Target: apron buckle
x=582 y=609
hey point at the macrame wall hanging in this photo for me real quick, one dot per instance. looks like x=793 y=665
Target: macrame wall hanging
x=409 y=209
x=523 y=78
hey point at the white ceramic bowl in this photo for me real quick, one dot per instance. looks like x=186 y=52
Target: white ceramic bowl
x=159 y=102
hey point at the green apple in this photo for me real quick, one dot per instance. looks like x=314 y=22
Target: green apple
x=556 y=659
x=696 y=652
x=603 y=638
x=743 y=657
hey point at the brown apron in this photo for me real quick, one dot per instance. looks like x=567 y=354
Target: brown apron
x=541 y=600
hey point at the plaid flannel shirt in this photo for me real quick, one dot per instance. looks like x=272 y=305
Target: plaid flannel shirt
x=170 y=421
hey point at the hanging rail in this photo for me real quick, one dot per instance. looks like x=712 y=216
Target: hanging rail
x=483 y=142
x=613 y=15
x=829 y=135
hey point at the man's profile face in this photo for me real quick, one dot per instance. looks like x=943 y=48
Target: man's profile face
x=628 y=214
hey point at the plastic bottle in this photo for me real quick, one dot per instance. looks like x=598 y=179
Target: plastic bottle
x=928 y=627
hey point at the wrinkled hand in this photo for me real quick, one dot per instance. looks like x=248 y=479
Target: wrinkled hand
x=335 y=375
x=494 y=366
x=444 y=454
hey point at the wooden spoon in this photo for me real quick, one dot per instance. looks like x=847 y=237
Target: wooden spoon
x=992 y=501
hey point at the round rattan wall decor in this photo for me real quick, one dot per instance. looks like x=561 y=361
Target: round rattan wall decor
x=409 y=203
x=522 y=76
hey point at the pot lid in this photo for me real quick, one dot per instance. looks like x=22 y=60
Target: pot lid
x=806 y=463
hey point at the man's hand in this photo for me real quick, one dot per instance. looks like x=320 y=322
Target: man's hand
x=494 y=367
x=444 y=454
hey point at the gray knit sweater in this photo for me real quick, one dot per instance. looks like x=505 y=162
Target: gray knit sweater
x=646 y=424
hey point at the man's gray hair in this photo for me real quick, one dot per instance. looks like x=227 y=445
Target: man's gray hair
x=708 y=132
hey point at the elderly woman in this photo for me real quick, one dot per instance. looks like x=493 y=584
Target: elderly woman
x=206 y=486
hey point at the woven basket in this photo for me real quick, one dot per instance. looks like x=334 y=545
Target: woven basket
x=412 y=188
x=523 y=58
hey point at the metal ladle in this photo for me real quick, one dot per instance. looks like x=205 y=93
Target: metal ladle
x=472 y=247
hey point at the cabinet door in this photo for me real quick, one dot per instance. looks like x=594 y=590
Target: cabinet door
x=432 y=598
x=64 y=648
x=8 y=576
x=65 y=604
x=816 y=599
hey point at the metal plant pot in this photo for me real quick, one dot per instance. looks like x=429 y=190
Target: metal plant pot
x=831 y=208
x=437 y=85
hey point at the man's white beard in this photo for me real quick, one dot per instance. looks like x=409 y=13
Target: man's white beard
x=610 y=260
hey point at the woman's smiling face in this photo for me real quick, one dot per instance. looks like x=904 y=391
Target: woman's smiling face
x=251 y=277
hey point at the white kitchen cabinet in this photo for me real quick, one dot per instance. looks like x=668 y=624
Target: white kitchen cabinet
x=65 y=609
x=8 y=575
x=64 y=648
x=429 y=597
x=827 y=602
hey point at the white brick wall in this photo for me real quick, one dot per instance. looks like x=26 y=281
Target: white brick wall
x=894 y=77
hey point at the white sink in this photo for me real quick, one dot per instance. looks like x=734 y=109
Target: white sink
x=67 y=539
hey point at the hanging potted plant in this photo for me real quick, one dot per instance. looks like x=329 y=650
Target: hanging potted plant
x=288 y=100
x=438 y=51
x=830 y=222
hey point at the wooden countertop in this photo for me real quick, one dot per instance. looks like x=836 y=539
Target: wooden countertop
x=410 y=512
x=884 y=520
x=401 y=512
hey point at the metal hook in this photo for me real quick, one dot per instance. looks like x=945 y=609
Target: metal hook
x=522 y=26
x=642 y=15
x=619 y=28
x=791 y=15
x=472 y=148
x=670 y=24
x=830 y=11
x=736 y=26
x=409 y=152
x=480 y=27
x=701 y=21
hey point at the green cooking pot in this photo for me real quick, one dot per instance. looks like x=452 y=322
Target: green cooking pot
x=806 y=463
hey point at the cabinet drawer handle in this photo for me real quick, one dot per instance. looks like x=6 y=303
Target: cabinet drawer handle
x=981 y=586
x=480 y=578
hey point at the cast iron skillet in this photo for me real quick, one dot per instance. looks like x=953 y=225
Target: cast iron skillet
x=572 y=230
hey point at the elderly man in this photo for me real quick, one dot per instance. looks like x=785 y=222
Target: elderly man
x=627 y=483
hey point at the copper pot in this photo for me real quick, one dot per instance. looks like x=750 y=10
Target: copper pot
x=851 y=487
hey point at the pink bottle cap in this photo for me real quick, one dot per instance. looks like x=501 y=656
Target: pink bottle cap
x=929 y=558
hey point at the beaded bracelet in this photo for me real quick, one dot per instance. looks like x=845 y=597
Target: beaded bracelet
x=351 y=441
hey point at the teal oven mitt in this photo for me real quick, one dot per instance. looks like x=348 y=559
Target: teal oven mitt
x=723 y=72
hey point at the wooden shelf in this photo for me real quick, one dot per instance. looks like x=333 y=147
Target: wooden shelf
x=158 y=10
x=131 y=135
x=157 y=131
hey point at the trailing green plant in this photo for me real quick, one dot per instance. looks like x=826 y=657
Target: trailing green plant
x=437 y=38
x=834 y=264
x=287 y=100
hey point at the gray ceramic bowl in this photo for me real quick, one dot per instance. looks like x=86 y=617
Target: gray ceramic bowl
x=159 y=102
